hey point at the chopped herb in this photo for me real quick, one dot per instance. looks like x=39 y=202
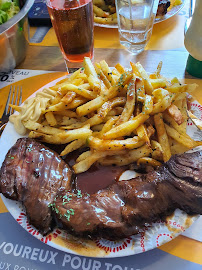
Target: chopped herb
x=69 y=213
x=66 y=198
x=36 y=174
x=121 y=80
x=29 y=149
x=63 y=202
x=12 y=157
x=79 y=195
x=72 y=211
x=88 y=224
x=54 y=208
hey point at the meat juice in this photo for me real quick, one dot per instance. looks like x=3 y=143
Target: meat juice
x=73 y=24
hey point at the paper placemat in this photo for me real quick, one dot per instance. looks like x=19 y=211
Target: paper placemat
x=21 y=251
x=195 y=231
x=38 y=78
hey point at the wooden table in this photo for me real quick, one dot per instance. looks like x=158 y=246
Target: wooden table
x=50 y=58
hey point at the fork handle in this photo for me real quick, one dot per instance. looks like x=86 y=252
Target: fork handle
x=2 y=126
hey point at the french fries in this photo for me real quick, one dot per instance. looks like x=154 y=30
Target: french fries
x=162 y=136
x=183 y=139
x=110 y=20
x=99 y=12
x=73 y=146
x=91 y=158
x=175 y=114
x=103 y=13
x=149 y=161
x=126 y=128
x=122 y=116
x=157 y=152
x=130 y=103
x=113 y=145
x=127 y=158
x=51 y=119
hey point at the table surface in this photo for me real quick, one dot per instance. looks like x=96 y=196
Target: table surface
x=49 y=58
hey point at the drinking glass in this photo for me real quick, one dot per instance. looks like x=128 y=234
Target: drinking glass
x=72 y=21
x=135 y=23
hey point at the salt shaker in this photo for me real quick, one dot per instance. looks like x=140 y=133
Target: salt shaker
x=193 y=42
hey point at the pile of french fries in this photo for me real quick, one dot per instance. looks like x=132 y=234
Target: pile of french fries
x=104 y=14
x=122 y=116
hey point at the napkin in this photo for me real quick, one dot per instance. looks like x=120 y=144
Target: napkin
x=195 y=230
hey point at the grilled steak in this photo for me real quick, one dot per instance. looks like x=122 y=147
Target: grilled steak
x=125 y=207
x=33 y=174
x=41 y=180
x=163 y=7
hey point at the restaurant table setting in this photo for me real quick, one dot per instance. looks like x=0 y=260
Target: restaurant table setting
x=53 y=55
x=163 y=35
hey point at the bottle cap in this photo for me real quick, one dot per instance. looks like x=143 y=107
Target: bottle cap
x=194 y=67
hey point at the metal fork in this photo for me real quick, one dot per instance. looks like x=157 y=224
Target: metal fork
x=14 y=98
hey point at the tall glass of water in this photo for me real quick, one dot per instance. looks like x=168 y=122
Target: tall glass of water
x=72 y=21
x=135 y=23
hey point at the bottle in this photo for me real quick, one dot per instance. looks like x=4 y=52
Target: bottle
x=193 y=42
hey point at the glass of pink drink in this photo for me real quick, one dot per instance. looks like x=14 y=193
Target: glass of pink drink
x=73 y=24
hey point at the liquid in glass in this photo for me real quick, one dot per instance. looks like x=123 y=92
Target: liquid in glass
x=73 y=25
x=135 y=21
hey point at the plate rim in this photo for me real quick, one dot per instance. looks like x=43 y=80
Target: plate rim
x=126 y=252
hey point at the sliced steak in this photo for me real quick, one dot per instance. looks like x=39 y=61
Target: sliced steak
x=39 y=178
x=126 y=207
x=33 y=174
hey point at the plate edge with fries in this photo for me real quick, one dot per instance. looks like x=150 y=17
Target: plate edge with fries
x=121 y=102
x=114 y=112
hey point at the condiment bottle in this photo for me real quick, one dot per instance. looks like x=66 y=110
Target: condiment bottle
x=193 y=42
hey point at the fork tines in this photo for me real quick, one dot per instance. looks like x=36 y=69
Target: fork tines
x=14 y=98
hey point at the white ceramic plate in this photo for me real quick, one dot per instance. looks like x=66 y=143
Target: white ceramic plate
x=156 y=235
x=158 y=19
